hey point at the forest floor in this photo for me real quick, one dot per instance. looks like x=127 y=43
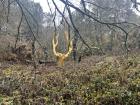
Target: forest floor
x=96 y=80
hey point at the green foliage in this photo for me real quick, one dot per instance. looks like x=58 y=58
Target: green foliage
x=112 y=81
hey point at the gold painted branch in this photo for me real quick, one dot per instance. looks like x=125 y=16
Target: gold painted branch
x=61 y=56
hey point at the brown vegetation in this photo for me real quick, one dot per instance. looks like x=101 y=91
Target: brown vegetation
x=96 y=80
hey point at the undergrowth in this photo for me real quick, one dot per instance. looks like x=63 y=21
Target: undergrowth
x=112 y=81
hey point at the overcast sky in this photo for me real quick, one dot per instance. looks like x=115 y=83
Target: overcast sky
x=44 y=5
